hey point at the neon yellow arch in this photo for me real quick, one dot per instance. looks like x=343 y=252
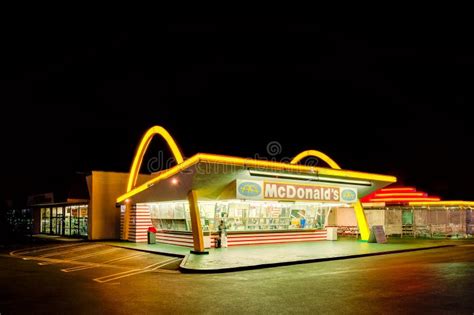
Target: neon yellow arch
x=141 y=150
x=317 y=154
x=359 y=211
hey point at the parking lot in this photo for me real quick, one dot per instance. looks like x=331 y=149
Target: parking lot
x=101 y=263
x=94 y=278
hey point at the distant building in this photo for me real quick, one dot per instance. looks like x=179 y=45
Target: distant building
x=89 y=211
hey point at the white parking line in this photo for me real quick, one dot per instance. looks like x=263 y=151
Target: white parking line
x=68 y=251
x=80 y=256
x=167 y=262
x=134 y=272
x=79 y=268
x=41 y=249
x=125 y=273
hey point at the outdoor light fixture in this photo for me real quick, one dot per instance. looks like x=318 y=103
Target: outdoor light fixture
x=174 y=181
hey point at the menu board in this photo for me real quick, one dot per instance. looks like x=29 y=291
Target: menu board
x=377 y=234
x=275 y=212
x=253 y=212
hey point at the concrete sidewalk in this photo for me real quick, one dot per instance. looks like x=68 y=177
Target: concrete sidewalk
x=261 y=256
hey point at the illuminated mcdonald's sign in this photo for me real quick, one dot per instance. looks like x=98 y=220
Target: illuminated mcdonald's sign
x=270 y=190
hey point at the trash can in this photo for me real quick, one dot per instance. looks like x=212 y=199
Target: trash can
x=207 y=241
x=331 y=233
x=151 y=235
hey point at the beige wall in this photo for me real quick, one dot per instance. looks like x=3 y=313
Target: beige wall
x=346 y=217
x=375 y=217
x=104 y=217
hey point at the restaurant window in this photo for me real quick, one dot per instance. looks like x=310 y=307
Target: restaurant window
x=172 y=216
x=45 y=220
x=240 y=216
x=83 y=220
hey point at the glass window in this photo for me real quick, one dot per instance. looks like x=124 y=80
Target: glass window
x=236 y=218
x=83 y=220
x=173 y=216
x=67 y=221
x=208 y=213
x=241 y=216
x=74 y=220
x=45 y=220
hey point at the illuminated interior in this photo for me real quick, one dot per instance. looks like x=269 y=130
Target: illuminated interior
x=215 y=189
x=242 y=215
x=67 y=220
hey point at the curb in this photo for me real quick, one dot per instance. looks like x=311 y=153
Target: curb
x=299 y=262
x=149 y=251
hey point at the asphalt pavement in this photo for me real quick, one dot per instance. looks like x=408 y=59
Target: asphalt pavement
x=98 y=279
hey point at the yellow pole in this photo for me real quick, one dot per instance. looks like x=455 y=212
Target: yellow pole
x=361 y=221
x=359 y=210
x=198 y=238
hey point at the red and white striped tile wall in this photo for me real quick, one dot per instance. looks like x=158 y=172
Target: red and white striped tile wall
x=245 y=239
x=169 y=237
x=174 y=239
x=139 y=223
x=275 y=238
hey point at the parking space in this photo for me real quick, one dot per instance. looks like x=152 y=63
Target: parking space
x=100 y=262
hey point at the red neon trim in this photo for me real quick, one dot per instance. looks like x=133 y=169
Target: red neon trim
x=404 y=199
x=398 y=189
x=402 y=195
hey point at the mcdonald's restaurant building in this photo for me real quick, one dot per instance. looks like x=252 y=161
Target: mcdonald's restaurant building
x=258 y=202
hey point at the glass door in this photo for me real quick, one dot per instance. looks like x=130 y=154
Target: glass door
x=53 y=221
x=45 y=220
x=60 y=221
x=83 y=220
x=67 y=221
x=74 y=220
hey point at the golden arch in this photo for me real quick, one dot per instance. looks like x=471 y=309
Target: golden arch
x=137 y=162
x=359 y=210
x=317 y=154
x=141 y=150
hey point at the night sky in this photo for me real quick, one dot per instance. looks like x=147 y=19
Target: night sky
x=385 y=98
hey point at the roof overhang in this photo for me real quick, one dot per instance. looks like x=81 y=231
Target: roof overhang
x=211 y=175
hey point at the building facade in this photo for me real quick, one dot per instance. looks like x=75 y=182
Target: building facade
x=255 y=201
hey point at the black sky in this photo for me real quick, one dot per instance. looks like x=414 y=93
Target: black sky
x=387 y=98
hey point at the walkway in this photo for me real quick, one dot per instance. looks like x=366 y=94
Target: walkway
x=258 y=256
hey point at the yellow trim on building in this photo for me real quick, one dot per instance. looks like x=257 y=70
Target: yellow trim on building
x=221 y=159
x=334 y=170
